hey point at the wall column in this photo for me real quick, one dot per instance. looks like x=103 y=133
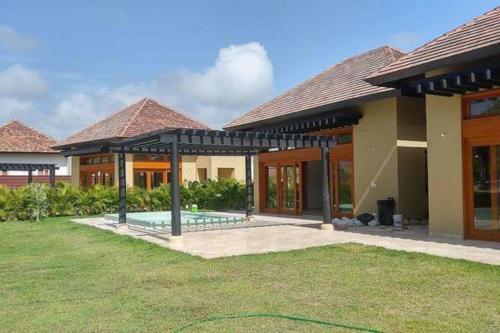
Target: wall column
x=248 y=186
x=122 y=189
x=52 y=176
x=30 y=176
x=325 y=161
x=174 y=189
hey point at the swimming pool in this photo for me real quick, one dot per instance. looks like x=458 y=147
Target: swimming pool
x=189 y=220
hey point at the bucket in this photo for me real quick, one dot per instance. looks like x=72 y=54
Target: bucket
x=194 y=208
x=398 y=220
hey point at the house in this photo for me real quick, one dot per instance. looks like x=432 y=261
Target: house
x=422 y=128
x=457 y=75
x=95 y=164
x=21 y=144
x=380 y=138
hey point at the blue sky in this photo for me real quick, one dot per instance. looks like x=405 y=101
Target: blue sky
x=64 y=65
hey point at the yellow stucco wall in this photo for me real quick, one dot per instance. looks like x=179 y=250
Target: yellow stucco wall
x=375 y=155
x=444 y=140
x=213 y=163
x=188 y=166
x=411 y=122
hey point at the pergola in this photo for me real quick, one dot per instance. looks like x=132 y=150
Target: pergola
x=177 y=142
x=30 y=167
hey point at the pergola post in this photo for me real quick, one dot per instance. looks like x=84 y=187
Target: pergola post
x=174 y=189
x=325 y=162
x=248 y=187
x=30 y=176
x=52 y=176
x=122 y=189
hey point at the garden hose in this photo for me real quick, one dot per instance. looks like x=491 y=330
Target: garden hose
x=276 y=315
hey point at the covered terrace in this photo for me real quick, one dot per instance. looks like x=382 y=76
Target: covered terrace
x=178 y=142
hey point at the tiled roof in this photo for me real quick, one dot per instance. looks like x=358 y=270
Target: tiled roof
x=16 y=137
x=342 y=82
x=479 y=37
x=144 y=116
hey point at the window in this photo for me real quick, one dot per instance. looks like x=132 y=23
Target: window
x=97 y=159
x=202 y=174
x=344 y=138
x=156 y=178
x=150 y=158
x=225 y=173
x=271 y=184
x=482 y=104
x=140 y=179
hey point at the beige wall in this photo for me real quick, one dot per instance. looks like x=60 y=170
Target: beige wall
x=375 y=155
x=444 y=139
x=411 y=120
x=213 y=163
x=188 y=167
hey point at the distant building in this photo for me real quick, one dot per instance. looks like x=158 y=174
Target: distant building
x=146 y=171
x=20 y=143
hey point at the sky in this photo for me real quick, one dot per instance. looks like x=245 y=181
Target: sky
x=67 y=64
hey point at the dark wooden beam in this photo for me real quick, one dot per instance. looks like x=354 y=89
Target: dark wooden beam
x=248 y=186
x=325 y=163
x=122 y=189
x=175 y=192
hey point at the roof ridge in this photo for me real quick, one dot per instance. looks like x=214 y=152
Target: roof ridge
x=338 y=63
x=137 y=111
x=177 y=111
x=436 y=39
x=39 y=132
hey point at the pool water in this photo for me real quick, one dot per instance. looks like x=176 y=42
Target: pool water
x=159 y=220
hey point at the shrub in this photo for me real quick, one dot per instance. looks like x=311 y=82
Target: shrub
x=38 y=200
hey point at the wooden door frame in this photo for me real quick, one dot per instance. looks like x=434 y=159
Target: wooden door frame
x=478 y=131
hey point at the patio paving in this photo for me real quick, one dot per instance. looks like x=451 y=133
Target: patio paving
x=277 y=233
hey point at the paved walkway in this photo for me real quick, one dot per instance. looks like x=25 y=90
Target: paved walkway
x=272 y=234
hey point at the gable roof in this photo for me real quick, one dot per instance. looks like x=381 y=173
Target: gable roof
x=342 y=82
x=477 y=39
x=141 y=117
x=17 y=137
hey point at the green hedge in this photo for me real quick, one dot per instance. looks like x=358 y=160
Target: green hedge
x=68 y=200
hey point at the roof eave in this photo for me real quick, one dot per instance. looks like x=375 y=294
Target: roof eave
x=85 y=143
x=390 y=79
x=317 y=110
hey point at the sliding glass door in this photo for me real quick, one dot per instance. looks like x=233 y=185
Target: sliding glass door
x=283 y=188
x=482 y=174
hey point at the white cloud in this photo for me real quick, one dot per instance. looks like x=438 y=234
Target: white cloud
x=19 y=87
x=11 y=108
x=240 y=79
x=406 y=40
x=20 y=82
x=13 y=40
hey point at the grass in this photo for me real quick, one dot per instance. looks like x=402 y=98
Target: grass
x=61 y=276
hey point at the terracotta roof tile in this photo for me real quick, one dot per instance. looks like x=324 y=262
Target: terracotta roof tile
x=341 y=82
x=144 y=116
x=474 y=36
x=16 y=137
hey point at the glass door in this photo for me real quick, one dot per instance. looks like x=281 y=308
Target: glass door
x=482 y=191
x=342 y=187
x=290 y=183
x=283 y=188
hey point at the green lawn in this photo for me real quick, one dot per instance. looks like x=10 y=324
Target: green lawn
x=61 y=276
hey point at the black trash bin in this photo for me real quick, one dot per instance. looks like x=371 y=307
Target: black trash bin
x=386 y=209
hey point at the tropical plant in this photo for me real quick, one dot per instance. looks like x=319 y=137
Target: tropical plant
x=36 y=200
